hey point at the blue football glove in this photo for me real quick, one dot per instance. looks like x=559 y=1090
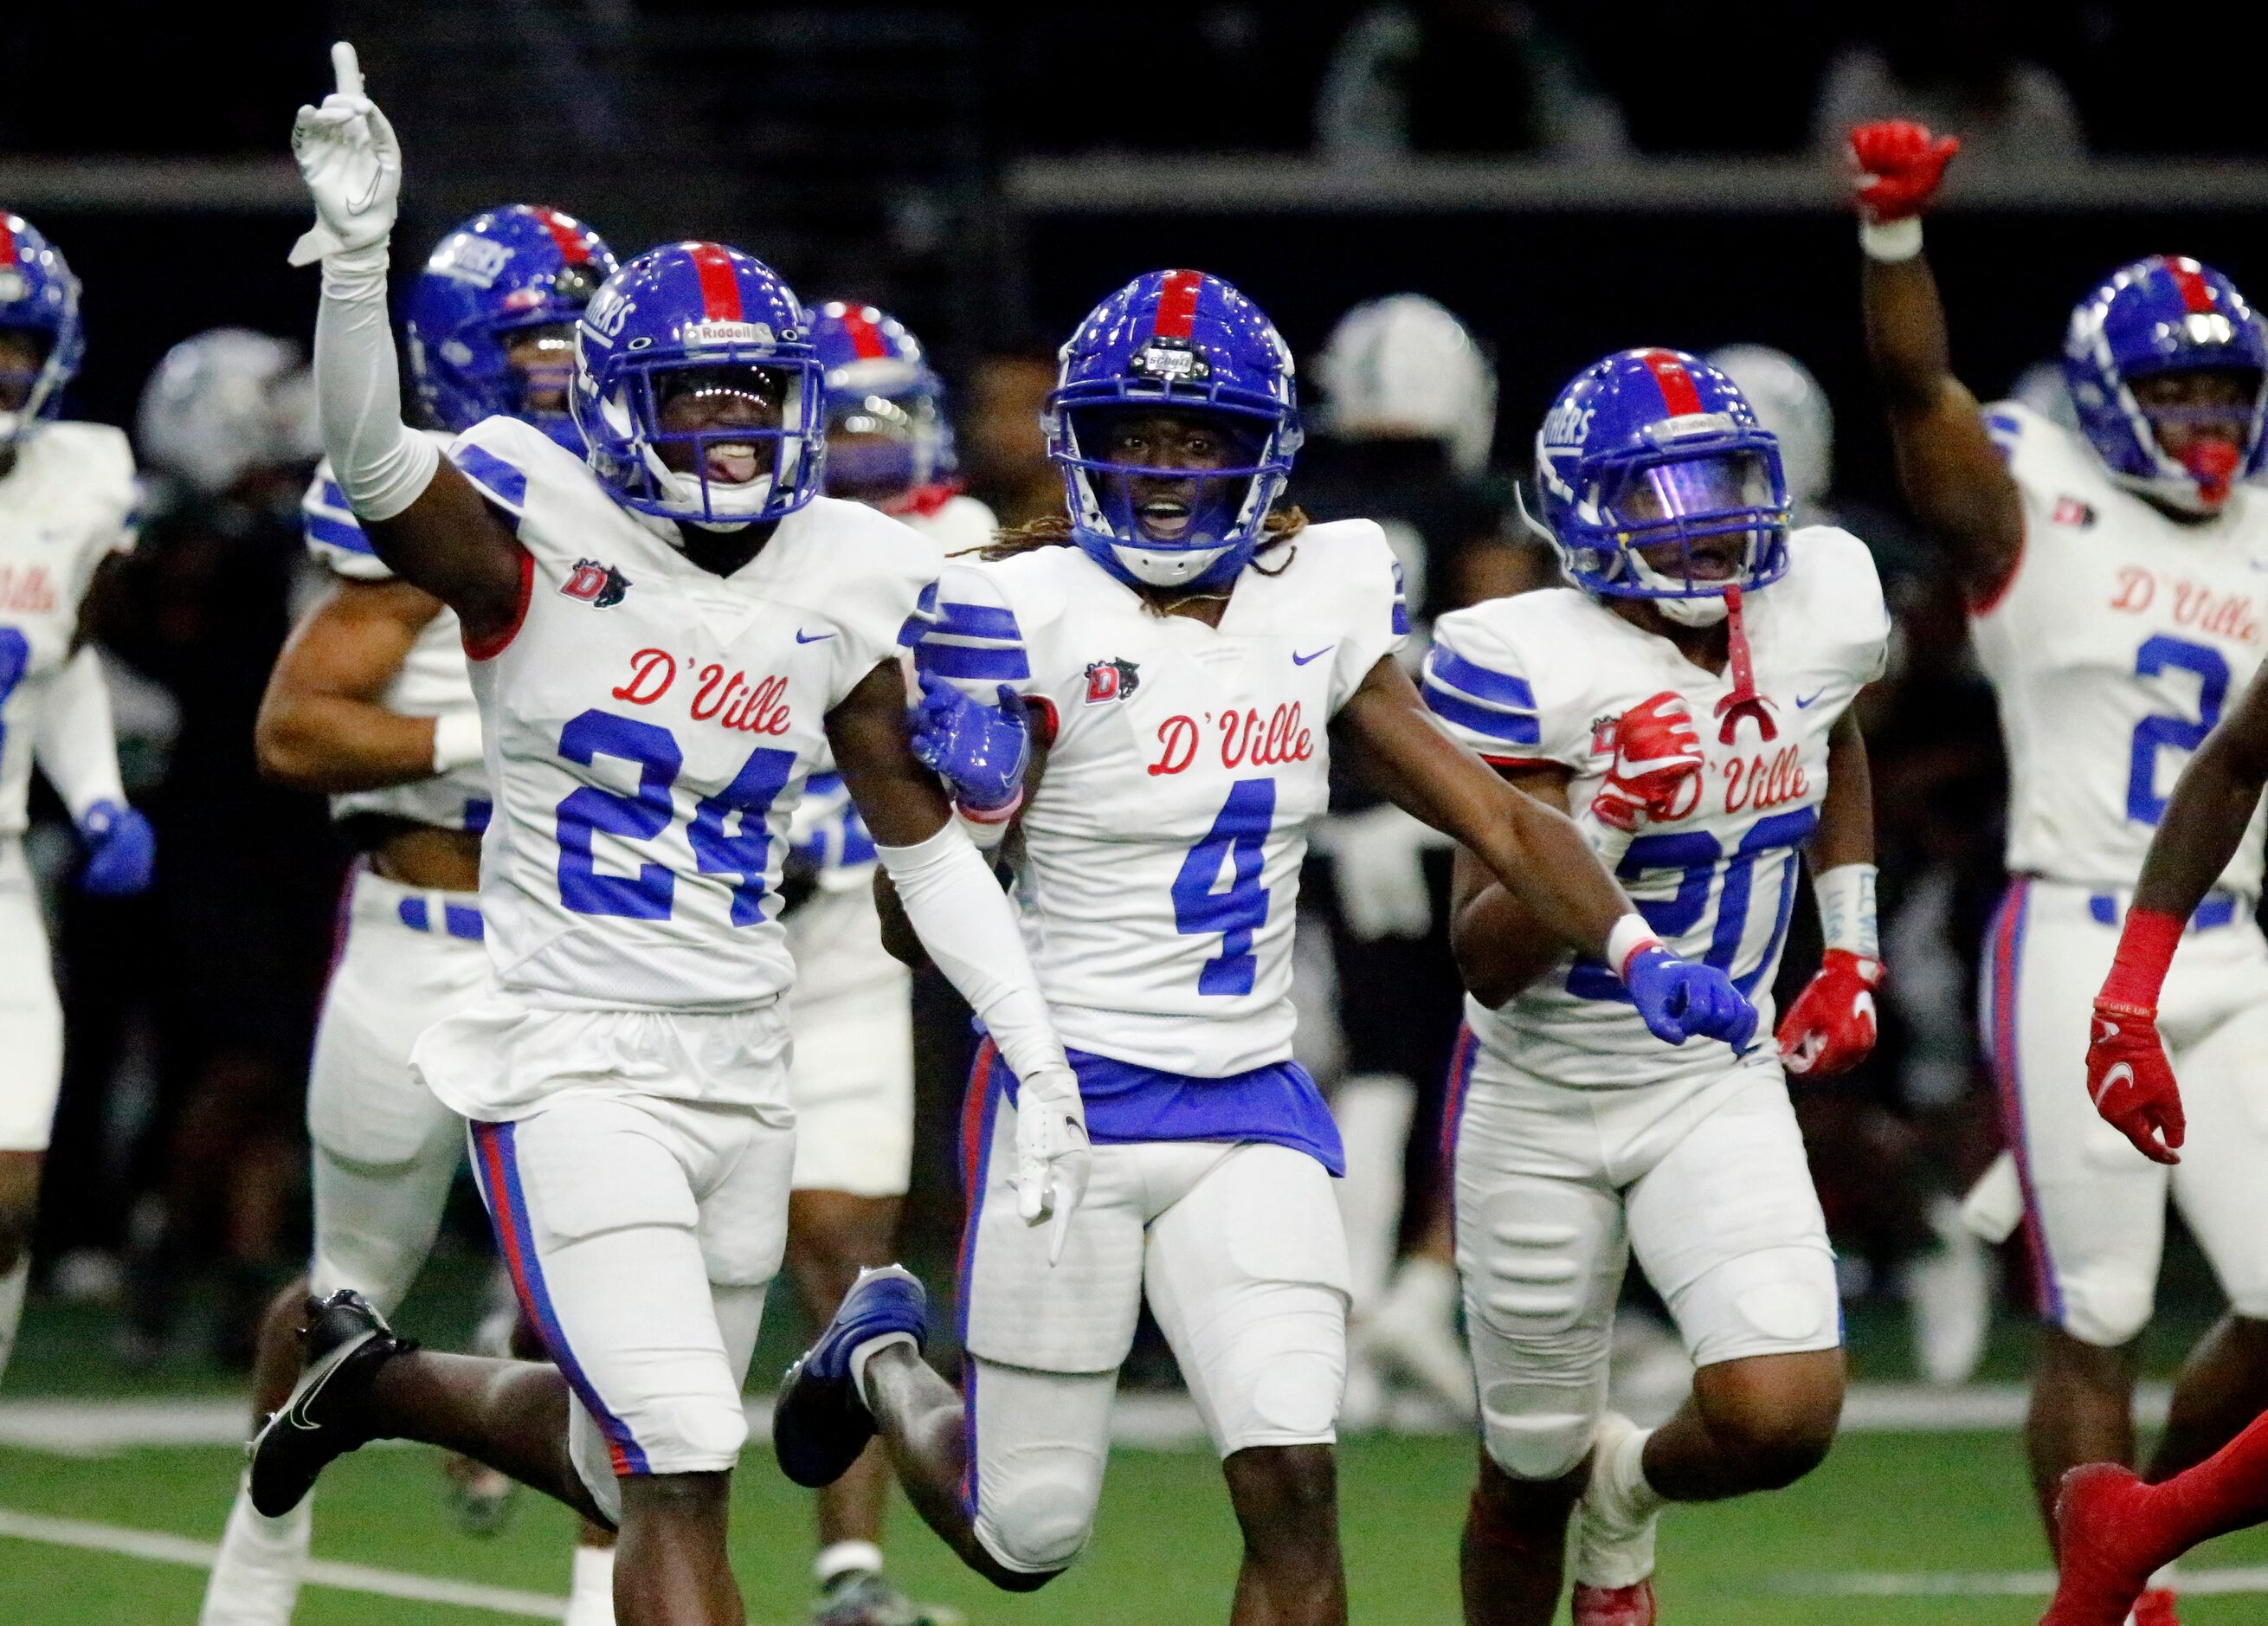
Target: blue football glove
x=1680 y=999
x=120 y=850
x=979 y=750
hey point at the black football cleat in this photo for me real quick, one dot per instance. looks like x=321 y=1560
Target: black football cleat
x=347 y=1342
x=821 y=1425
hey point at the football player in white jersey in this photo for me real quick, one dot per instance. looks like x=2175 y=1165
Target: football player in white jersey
x=1689 y=692
x=371 y=704
x=66 y=504
x=2114 y=588
x=662 y=636
x=851 y=1013
x=1172 y=660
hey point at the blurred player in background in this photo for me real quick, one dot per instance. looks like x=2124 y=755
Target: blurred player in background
x=1122 y=694
x=1407 y=420
x=1689 y=692
x=1871 y=1158
x=2115 y=597
x=371 y=704
x=680 y=613
x=67 y=503
x=852 y=1078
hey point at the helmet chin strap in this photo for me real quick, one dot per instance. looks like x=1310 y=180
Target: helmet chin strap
x=1744 y=701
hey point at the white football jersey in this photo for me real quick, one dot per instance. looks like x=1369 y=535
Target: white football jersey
x=1161 y=853
x=433 y=681
x=2114 y=649
x=66 y=504
x=1541 y=677
x=649 y=726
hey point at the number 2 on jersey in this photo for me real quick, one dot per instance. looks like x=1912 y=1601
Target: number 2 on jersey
x=1238 y=838
x=651 y=893
x=2159 y=732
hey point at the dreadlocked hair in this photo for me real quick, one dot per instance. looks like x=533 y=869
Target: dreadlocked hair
x=1053 y=530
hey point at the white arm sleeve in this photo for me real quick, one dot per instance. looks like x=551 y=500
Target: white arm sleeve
x=74 y=746
x=381 y=463
x=958 y=910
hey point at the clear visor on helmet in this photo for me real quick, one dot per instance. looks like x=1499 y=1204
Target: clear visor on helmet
x=1179 y=477
x=721 y=422
x=881 y=447
x=1685 y=527
x=1721 y=485
x=23 y=354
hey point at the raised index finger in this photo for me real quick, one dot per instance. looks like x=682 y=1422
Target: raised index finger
x=347 y=68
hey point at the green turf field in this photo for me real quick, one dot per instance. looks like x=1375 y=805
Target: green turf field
x=1947 y=1505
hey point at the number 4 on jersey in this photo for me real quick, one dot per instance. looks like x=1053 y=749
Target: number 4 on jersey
x=1236 y=841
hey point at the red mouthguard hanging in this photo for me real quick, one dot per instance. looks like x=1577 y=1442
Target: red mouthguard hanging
x=1744 y=701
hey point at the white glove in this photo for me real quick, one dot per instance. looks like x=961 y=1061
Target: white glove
x=352 y=165
x=1053 y=1158
x=1377 y=869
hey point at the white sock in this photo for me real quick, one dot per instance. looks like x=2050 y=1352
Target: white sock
x=255 y=1580
x=1628 y=1468
x=11 y=1307
x=591 y=1595
x=866 y=1352
x=841 y=1558
x=1374 y=1112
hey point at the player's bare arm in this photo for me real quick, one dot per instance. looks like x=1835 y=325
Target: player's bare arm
x=2212 y=804
x=900 y=800
x=321 y=725
x=1499 y=944
x=1534 y=850
x=455 y=546
x=1846 y=815
x=1947 y=467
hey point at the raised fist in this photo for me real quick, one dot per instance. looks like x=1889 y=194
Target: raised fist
x=1898 y=166
x=2129 y=1081
x=1656 y=773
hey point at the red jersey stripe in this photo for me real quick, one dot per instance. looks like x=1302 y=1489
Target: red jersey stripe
x=720 y=290
x=2196 y=293
x=1177 y=304
x=570 y=240
x=1678 y=395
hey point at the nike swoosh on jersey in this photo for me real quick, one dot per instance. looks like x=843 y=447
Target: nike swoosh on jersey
x=1803 y=701
x=1299 y=660
x=802 y=636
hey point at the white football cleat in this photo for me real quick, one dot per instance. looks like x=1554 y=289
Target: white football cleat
x=1948 y=1293
x=1413 y=1330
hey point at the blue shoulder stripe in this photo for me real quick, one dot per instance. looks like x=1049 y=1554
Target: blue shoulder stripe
x=1507 y=728
x=2004 y=430
x=1400 y=619
x=344 y=534
x=978 y=621
x=499 y=480
x=992 y=665
x=918 y=625
x=1478 y=681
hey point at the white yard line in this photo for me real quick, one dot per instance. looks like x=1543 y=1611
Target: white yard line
x=2001 y=1584
x=160 y=1547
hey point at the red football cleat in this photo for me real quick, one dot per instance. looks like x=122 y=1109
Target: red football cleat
x=2154 y=1607
x=1613 y=1606
x=2104 y=1539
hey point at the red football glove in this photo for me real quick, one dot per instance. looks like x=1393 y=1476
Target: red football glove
x=1657 y=767
x=2132 y=1087
x=1899 y=165
x=1830 y=1027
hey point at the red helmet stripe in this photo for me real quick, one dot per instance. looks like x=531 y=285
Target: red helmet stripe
x=7 y=240
x=865 y=337
x=1678 y=395
x=571 y=247
x=1177 y=304
x=2196 y=293
x=720 y=289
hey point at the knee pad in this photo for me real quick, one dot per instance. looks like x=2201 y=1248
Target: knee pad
x=1039 y=1525
x=2103 y=1314
x=1541 y=1403
x=1541 y=1270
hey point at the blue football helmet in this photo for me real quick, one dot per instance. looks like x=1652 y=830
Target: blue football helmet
x=39 y=296
x=700 y=320
x=1651 y=448
x=887 y=439
x=2163 y=314
x=1190 y=342
x=501 y=273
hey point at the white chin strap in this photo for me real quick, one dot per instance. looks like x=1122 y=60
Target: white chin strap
x=1685 y=611
x=732 y=507
x=1165 y=568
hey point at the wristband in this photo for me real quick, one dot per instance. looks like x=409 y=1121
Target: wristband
x=2146 y=949
x=1630 y=936
x=457 y=741
x=1889 y=241
x=1846 y=910
x=987 y=831
x=1608 y=842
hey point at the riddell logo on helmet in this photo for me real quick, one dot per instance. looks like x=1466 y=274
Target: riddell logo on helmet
x=700 y=333
x=598 y=586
